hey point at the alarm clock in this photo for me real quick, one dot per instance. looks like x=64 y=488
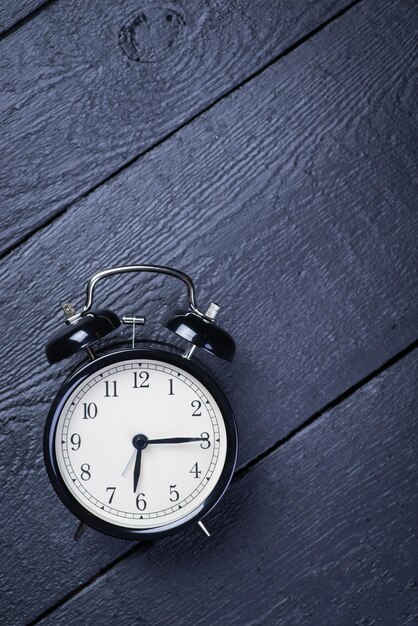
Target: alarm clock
x=140 y=442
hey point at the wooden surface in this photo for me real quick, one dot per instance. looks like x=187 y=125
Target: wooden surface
x=84 y=96
x=291 y=200
x=13 y=14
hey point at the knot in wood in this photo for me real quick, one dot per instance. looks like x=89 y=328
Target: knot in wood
x=152 y=33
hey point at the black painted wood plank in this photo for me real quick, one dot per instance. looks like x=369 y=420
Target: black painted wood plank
x=292 y=203
x=80 y=100
x=13 y=11
x=321 y=532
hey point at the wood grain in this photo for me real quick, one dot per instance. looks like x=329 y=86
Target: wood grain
x=292 y=202
x=87 y=86
x=12 y=12
x=321 y=532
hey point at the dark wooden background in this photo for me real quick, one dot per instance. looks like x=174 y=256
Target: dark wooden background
x=268 y=149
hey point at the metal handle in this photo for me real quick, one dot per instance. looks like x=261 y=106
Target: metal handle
x=156 y=269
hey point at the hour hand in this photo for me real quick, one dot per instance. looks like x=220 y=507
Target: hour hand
x=177 y=440
x=137 y=468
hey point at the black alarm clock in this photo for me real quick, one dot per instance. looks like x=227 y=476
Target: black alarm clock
x=140 y=443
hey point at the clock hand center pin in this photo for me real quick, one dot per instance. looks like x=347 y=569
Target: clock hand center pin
x=140 y=442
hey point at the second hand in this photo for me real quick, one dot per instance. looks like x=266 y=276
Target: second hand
x=128 y=464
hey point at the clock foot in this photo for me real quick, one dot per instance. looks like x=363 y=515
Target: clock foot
x=203 y=528
x=81 y=529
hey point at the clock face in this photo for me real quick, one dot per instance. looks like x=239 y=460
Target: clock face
x=141 y=443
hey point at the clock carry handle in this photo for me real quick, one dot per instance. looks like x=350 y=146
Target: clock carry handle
x=156 y=269
x=85 y=328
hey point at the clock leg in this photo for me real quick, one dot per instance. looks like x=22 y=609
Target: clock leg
x=203 y=528
x=211 y=313
x=81 y=529
x=69 y=312
x=189 y=352
x=91 y=353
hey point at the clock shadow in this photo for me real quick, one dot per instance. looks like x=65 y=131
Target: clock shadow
x=231 y=525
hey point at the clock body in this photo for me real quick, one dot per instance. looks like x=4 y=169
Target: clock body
x=162 y=398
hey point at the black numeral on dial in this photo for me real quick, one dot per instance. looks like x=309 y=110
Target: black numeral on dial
x=171 y=392
x=205 y=444
x=141 y=505
x=76 y=441
x=90 y=410
x=174 y=494
x=196 y=405
x=110 y=389
x=195 y=470
x=112 y=489
x=85 y=471
x=141 y=380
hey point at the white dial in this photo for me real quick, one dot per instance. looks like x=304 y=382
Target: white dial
x=159 y=481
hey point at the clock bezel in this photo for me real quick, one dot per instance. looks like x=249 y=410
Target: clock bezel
x=76 y=507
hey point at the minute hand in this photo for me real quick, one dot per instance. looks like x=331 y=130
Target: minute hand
x=177 y=440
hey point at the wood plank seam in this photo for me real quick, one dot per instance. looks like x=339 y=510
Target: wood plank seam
x=55 y=216
x=243 y=470
x=101 y=572
x=350 y=391
x=24 y=20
